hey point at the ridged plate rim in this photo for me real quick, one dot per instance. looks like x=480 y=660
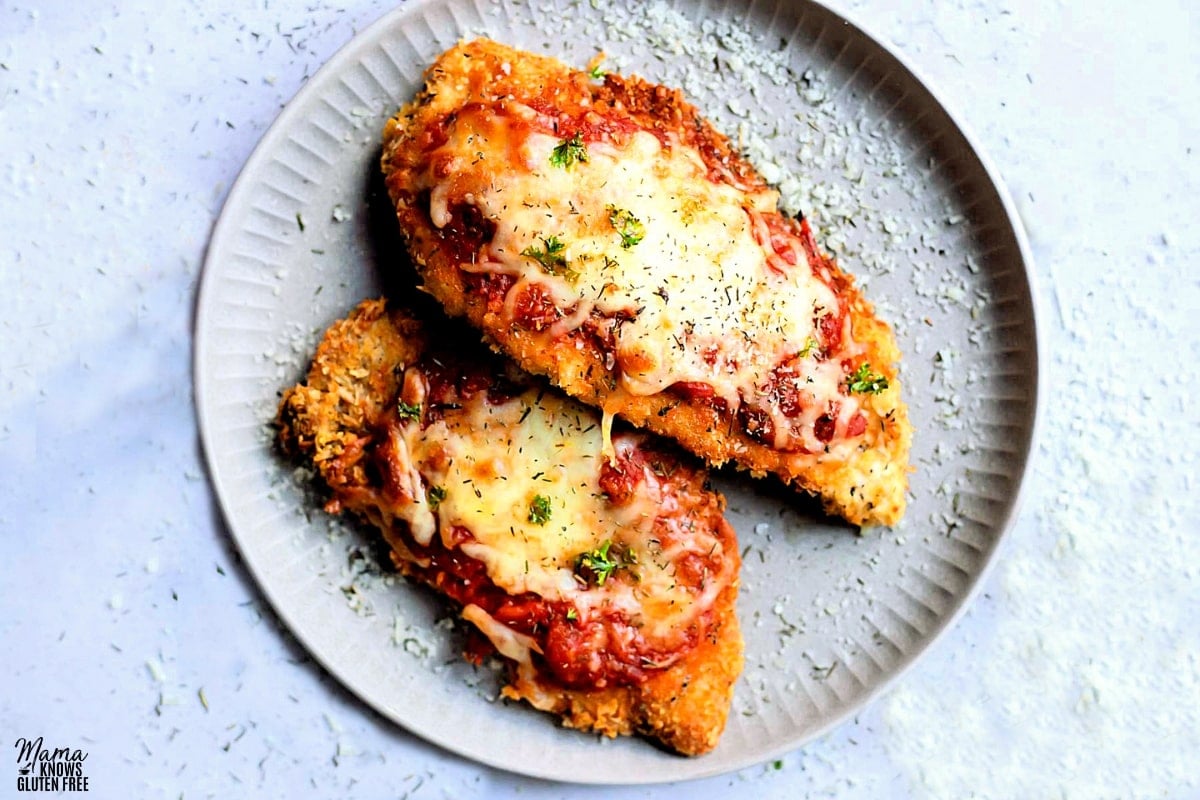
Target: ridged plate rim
x=233 y=451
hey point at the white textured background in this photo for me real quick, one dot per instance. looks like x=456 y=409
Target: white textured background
x=1076 y=673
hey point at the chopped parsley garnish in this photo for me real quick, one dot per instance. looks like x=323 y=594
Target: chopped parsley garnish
x=597 y=73
x=862 y=381
x=569 y=151
x=436 y=495
x=572 y=614
x=596 y=566
x=627 y=225
x=552 y=257
x=539 y=510
x=810 y=345
x=408 y=411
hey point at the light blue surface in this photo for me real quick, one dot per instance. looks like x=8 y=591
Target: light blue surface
x=1075 y=674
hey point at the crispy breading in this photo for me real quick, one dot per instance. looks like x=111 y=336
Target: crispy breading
x=868 y=486
x=332 y=421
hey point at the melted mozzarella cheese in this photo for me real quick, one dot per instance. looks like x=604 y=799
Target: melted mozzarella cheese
x=508 y=643
x=489 y=463
x=709 y=302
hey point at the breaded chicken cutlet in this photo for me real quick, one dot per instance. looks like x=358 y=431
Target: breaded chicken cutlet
x=607 y=236
x=607 y=585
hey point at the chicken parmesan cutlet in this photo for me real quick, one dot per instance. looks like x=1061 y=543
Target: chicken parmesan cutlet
x=607 y=586
x=605 y=235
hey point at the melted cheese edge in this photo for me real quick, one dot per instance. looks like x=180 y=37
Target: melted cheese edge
x=708 y=302
x=492 y=461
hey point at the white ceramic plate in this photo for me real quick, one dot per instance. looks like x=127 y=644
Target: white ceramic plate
x=895 y=188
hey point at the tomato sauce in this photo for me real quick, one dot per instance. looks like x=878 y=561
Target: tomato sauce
x=534 y=309
x=604 y=650
x=466 y=232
